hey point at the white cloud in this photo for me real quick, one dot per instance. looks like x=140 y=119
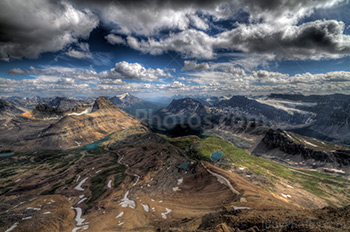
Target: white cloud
x=78 y=54
x=114 y=39
x=190 y=43
x=191 y=65
x=311 y=40
x=125 y=70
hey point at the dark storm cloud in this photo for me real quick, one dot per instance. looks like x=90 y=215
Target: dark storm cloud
x=174 y=4
x=31 y=28
x=309 y=40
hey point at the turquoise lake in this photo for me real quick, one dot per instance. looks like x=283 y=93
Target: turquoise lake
x=216 y=156
x=94 y=145
x=6 y=154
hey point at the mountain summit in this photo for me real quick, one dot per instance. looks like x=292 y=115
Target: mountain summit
x=103 y=103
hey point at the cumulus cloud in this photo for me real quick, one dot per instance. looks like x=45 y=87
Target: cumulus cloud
x=216 y=80
x=190 y=43
x=192 y=65
x=125 y=70
x=311 y=40
x=28 y=30
x=273 y=27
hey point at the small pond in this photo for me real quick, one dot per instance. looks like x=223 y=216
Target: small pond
x=6 y=154
x=216 y=156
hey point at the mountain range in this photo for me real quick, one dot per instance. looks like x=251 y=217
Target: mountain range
x=74 y=165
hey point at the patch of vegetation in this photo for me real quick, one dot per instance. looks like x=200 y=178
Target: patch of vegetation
x=189 y=144
x=320 y=184
x=100 y=150
x=98 y=183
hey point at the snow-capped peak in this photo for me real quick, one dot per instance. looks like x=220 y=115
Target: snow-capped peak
x=122 y=96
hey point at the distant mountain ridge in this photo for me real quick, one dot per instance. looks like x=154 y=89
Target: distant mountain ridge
x=51 y=128
x=133 y=105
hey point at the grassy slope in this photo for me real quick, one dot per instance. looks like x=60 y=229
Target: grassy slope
x=319 y=184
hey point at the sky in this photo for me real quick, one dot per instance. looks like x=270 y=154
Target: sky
x=154 y=48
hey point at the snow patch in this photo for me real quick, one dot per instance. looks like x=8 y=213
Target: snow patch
x=120 y=214
x=109 y=185
x=137 y=180
x=120 y=223
x=180 y=181
x=286 y=195
x=240 y=207
x=145 y=207
x=311 y=144
x=165 y=213
x=222 y=180
x=78 y=218
x=78 y=143
x=82 y=200
x=12 y=227
x=87 y=111
x=175 y=189
x=18 y=180
x=81 y=228
x=127 y=202
x=78 y=187
x=27 y=218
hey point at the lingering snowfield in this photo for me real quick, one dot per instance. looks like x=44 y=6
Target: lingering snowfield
x=137 y=180
x=82 y=200
x=12 y=227
x=78 y=187
x=180 y=181
x=286 y=195
x=165 y=213
x=18 y=180
x=126 y=202
x=109 y=185
x=81 y=228
x=145 y=207
x=175 y=189
x=222 y=180
x=87 y=111
x=240 y=207
x=78 y=218
x=120 y=223
x=311 y=144
x=120 y=214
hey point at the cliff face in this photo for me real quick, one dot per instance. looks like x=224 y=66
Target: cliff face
x=301 y=150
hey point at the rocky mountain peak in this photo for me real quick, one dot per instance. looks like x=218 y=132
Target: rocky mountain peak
x=43 y=110
x=103 y=103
